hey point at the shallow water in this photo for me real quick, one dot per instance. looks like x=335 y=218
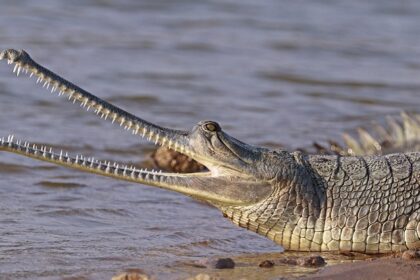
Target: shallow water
x=270 y=72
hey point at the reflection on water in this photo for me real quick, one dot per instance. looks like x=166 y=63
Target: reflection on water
x=270 y=71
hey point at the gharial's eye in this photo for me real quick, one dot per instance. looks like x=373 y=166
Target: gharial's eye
x=212 y=127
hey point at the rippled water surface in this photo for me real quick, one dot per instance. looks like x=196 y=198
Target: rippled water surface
x=289 y=72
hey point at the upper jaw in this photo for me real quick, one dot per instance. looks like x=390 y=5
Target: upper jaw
x=177 y=140
x=23 y=63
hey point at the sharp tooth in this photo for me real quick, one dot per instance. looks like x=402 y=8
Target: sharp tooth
x=98 y=109
x=18 y=71
x=31 y=74
x=15 y=68
x=151 y=133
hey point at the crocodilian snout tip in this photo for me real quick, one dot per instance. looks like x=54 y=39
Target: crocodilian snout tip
x=9 y=54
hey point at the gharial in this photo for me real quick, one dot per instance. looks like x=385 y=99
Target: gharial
x=368 y=204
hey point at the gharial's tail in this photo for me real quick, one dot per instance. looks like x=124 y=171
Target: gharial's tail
x=401 y=134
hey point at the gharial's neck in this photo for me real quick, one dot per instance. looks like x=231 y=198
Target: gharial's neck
x=293 y=205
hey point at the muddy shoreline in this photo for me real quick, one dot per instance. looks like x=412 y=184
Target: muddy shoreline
x=293 y=265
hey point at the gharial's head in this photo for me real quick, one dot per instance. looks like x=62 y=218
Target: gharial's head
x=237 y=173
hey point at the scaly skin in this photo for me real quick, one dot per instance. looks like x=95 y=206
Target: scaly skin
x=305 y=203
x=332 y=203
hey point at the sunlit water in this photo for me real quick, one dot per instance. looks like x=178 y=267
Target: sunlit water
x=289 y=72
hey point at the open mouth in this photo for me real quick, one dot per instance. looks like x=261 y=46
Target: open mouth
x=222 y=182
x=173 y=139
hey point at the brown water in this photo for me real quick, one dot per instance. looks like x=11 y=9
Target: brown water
x=270 y=72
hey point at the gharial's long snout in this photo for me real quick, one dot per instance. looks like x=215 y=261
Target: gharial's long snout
x=22 y=62
x=226 y=187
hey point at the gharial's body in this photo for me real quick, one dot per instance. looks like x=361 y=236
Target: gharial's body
x=332 y=203
x=305 y=203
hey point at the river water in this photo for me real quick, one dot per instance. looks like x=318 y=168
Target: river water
x=289 y=72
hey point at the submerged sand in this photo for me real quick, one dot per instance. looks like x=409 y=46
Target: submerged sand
x=391 y=268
